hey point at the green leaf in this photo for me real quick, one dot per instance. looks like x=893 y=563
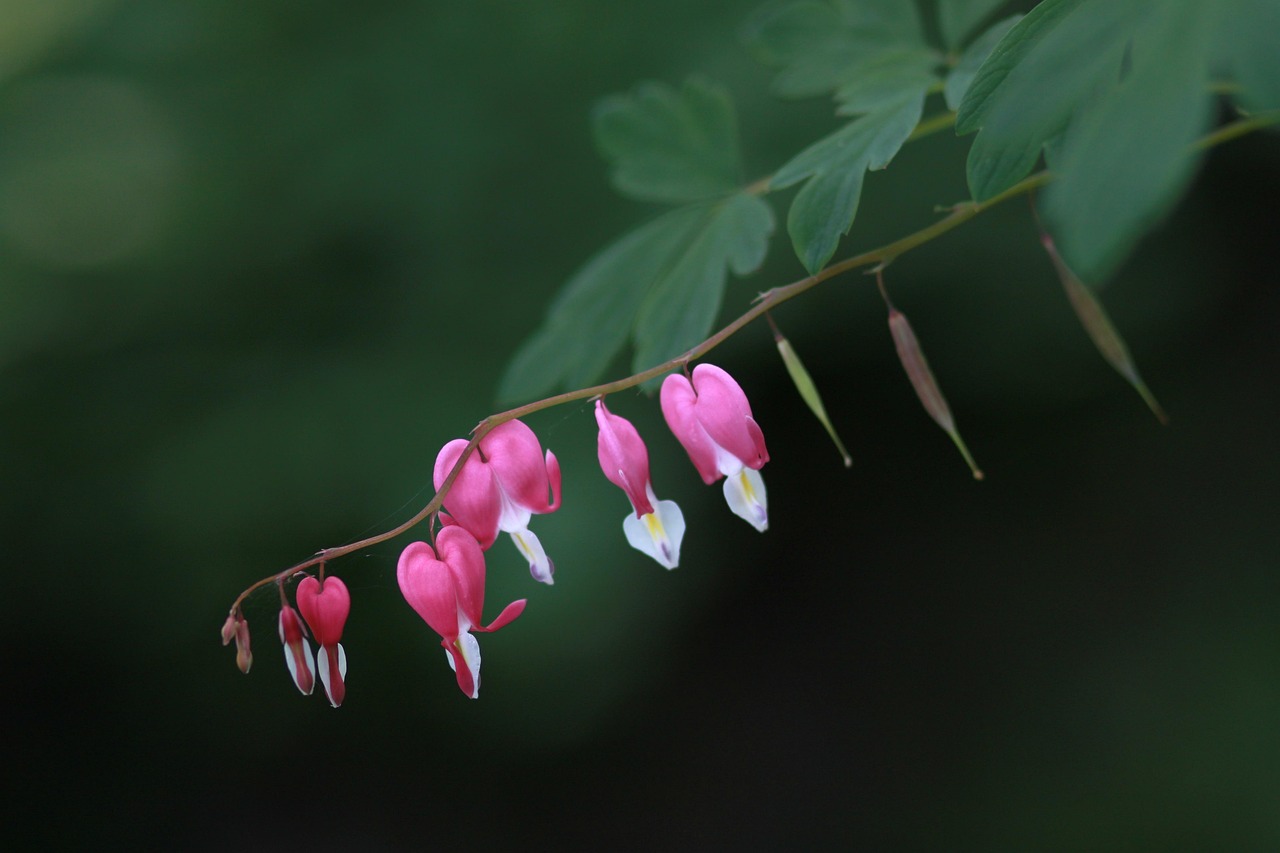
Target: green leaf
x=888 y=80
x=1129 y=154
x=891 y=20
x=670 y=146
x=591 y=319
x=819 y=46
x=824 y=209
x=957 y=19
x=1250 y=49
x=661 y=284
x=683 y=301
x=967 y=67
x=1027 y=91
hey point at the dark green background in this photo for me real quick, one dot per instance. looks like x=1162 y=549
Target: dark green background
x=259 y=261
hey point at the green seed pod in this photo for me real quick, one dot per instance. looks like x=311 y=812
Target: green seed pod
x=809 y=393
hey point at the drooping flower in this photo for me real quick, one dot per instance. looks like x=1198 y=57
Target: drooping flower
x=711 y=418
x=445 y=586
x=325 y=605
x=503 y=484
x=656 y=527
x=297 y=651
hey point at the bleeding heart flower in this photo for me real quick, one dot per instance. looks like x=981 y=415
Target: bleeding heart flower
x=325 y=605
x=447 y=591
x=656 y=527
x=297 y=651
x=503 y=484
x=711 y=418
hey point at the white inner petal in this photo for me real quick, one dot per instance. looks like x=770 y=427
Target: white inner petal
x=746 y=496
x=530 y=548
x=658 y=533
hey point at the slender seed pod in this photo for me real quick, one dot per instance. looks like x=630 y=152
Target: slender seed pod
x=809 y=392
x=1099 y=328
x=913 y=361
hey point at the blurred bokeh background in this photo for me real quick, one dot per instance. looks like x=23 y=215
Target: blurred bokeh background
x=259 y=261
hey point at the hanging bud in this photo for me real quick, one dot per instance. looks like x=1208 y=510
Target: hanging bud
x=237 y=628
x=808 y=391
x=1099 y=328
x=297 y=651
x=229 y=630
x=913 y=361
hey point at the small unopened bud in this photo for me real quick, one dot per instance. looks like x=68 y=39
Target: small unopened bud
x=229 y=629
x=244 y=657
x=913 y=361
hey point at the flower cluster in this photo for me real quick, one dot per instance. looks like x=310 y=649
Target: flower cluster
x=325 y=604
x=496 y=485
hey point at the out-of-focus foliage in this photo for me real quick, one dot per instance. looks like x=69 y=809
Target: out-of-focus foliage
x=1118 y=93
x=1114 y=94
x=259 y=261
x=662 y=284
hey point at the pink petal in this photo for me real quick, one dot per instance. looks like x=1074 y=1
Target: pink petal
x=465 y=561
x=623 y=457
x=678 y=408
x=553 y=474
x=725 y=414
x=506 y=617
x=325 y=605
x=515 y=456
x=427 y=584
x=474 y=499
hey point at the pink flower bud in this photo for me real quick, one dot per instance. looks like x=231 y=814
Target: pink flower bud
x=229 y=629
x=244 y=656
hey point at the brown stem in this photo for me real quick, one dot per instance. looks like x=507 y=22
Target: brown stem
x=770 y=299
